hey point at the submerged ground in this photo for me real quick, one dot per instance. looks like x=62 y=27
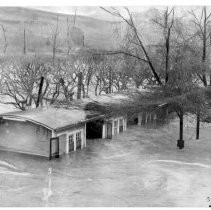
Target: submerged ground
x=141 y=167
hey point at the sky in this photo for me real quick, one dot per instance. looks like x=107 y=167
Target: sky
x=91 y=7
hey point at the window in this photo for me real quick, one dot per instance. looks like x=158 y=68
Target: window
x=115 y=127
x=78 y=140
x=71 y=142
x=71 y=139
x=78 y=136
x=115 y=123
x=120 y=122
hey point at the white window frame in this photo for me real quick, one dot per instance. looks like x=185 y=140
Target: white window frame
x=116 y=126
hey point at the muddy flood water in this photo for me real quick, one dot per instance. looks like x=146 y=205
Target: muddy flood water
x=141 y=167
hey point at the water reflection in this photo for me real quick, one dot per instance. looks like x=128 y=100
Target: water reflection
x=47 y=192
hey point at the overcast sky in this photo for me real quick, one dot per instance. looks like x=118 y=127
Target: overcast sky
x=97 y=12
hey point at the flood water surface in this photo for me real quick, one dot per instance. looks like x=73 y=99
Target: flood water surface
x=141 y=167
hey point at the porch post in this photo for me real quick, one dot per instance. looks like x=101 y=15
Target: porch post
x=67 y=143
x=104 y=129
x=118 y=125
x=139 y=118
x=125 y=123
x=112 y=127
x=146 y=118
x=85 y=135
x=74 y=139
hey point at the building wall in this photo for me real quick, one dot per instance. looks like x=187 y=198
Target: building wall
x=145 y=118
x=25 y=137
x=115 y=130
x=64 y=138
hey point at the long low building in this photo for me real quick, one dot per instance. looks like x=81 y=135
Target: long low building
x=47 y=131
x=59 y=129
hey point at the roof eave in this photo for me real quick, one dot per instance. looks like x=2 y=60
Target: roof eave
x=60 y=129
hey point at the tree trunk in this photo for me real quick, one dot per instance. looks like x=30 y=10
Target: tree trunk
x=40 y=92
x=54 y=52
x=210 y=79
x=181 y=127
x=83 y=41
x=180 y=142
x=68 y=37
x=79 y=85
x=197 y=124
x=204 y=53
x=96 y=87
x=110 y=81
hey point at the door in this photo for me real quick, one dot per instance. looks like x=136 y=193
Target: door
x=78 y=140
x=54 y=147
x=71 y=142
x=109 y=130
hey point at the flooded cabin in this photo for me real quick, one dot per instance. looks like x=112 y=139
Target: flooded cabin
x=54 y=130
x=48 y=132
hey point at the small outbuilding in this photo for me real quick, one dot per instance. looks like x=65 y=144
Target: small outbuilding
x=47 y=131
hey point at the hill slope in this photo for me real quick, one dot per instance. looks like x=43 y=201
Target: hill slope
x=39 y=25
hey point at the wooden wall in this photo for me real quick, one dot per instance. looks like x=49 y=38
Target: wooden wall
x=25 y=137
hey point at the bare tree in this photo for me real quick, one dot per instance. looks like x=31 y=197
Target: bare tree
x=68 y=37
x=136 y=41
x=20 y=82
x=62 y=81
x=182 y=93
x=4 y=30
x=24 y=40
x=202 y=23
x=54 y=38
x=166 y=22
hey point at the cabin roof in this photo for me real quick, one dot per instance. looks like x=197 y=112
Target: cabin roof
x=61 y=115
x=52 y=117
x=118 y=103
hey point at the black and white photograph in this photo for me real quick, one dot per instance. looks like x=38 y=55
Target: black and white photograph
x=105 y=105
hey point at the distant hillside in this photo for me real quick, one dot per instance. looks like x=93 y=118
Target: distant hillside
x=39 y=25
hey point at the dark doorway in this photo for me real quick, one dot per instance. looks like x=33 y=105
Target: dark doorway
x=132 y=119
x=54 y=147
x=109 y=130
x=135 y=121
x=94 y=129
